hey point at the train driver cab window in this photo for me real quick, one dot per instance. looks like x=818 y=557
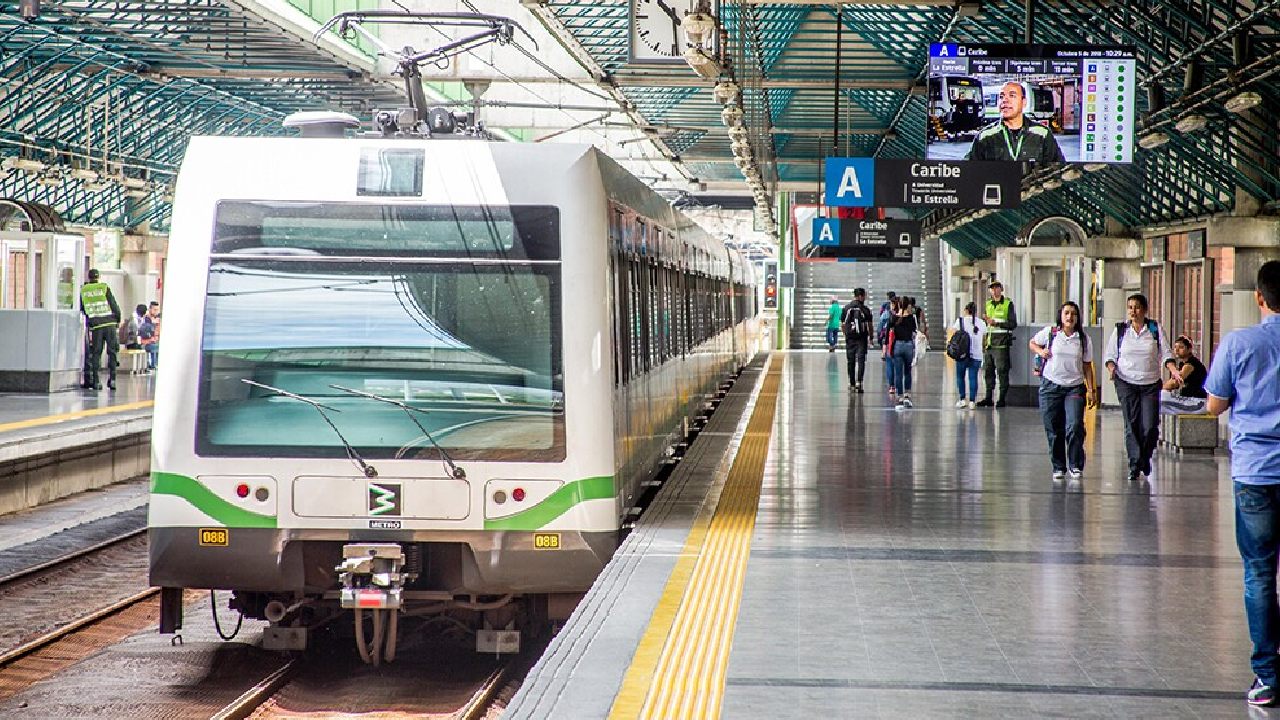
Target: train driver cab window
x=454 y=312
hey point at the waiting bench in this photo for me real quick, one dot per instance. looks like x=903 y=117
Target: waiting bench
x=137 y=360
x=1190 y=433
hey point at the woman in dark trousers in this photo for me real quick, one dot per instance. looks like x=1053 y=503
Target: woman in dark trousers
x=1067 y=386
x=1135 y=354
x=903 y=329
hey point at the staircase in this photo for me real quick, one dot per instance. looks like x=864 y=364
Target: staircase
x=816 y=283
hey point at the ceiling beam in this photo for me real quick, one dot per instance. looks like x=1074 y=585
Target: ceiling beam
x=688 y=79
x=248 y=73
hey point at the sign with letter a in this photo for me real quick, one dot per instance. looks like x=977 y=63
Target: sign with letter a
x=826 y=232
x=850 y=182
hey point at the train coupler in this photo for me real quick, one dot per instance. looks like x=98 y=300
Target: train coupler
x=371 y=576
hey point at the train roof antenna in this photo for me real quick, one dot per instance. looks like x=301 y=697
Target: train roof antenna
x=457 y=472
x=365 y=467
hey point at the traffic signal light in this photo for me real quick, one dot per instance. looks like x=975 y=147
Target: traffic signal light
x=771 y=292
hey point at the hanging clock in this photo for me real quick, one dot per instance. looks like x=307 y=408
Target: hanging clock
x=656 y=35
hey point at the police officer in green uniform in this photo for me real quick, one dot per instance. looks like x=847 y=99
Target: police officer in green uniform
x=1001 y=320
x=101 y=318
x=1015 y=137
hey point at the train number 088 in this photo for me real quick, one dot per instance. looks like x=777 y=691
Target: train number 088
x=546 y=541
x=218 y=537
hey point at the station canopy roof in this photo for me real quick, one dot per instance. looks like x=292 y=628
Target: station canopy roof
x=100 y=95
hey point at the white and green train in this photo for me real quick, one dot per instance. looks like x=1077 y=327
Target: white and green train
x=414 y=376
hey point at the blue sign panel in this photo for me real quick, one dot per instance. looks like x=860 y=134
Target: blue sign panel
x=826 y=232
x=850 y=182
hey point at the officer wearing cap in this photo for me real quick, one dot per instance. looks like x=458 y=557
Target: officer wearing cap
x=101 y=318
x=1015 y=137
x=1001 y=320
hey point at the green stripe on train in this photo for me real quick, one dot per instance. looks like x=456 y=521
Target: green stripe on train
x=205 y=501
x=556 y=504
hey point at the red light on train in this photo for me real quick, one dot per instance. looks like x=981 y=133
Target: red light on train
x=242 y=490
x=518 y=494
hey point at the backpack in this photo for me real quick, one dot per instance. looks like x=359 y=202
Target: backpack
x=1152 y=328
x=1037 y=366
x=147 y=329
x=960 y=344
x=856 y=321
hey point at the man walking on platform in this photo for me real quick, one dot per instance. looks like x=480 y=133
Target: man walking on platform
x=101 y=317
x=1001 y=321
x=1245 y=377
x=856 y=321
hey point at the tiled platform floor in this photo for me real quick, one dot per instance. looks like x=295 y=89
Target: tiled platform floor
x=957 y=580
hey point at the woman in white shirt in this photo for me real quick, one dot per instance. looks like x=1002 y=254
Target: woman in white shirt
x=1136 y=353
x=977 y=329
x=1067 y=386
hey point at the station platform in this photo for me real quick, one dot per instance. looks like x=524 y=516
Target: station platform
x=59 y=444
x=821 y=554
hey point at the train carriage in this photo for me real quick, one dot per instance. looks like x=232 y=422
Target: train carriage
x=413 y=375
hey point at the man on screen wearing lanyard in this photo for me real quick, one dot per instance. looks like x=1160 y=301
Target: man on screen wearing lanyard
x=1015 y=137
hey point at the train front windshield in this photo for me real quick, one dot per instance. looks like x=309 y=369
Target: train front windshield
x=453 y=313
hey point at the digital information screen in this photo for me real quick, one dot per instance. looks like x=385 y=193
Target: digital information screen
x=985 y=101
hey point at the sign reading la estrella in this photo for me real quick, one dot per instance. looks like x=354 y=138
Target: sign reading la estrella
x=867 y=238
x=906 y=183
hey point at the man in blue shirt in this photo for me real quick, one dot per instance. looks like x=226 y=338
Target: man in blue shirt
x=1245 y=377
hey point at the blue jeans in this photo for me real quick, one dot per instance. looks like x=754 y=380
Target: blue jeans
x=968 y=368
x=1062 y=410
x=1257 y=512
x=833 y=334
x=903 y=354
x=153 y=355
x=888 y=371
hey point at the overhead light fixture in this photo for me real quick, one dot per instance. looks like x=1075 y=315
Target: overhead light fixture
x=1072 y=174
x=702 y=63
x=136 y=193
x=725 y=91
x=1094 y=167
x=23 y=164
x=98 y=186
x=1243 y=102
x=737 y=131
x=49 y=179
x=698 y=27
x=742 y=162
x=1152 y=140
x=134 y=183
x=731 y=115
x=1052 y=184
x=740 y=147
x=1191 y=123
x=84 y=174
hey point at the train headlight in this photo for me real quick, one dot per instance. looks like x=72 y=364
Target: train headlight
x=499 y=496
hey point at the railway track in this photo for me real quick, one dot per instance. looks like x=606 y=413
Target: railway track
x=306 y=688
x=62 y=610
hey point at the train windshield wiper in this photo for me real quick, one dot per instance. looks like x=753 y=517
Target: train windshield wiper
x=365 y=467
x=457 y=472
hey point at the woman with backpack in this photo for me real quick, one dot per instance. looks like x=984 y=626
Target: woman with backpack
x=1136 y=353
x=965 y=347
x=1067 y=385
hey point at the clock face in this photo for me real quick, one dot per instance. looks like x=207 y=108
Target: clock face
x=655 y=30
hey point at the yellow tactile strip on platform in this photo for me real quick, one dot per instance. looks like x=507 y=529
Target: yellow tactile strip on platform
x=678 y=670
x=80 y=414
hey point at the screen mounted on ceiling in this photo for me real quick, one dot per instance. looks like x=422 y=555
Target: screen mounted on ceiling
x=1031 y=103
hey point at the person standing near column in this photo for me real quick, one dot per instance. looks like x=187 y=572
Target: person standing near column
x=967 y=367
x=101 y=317
x=1136 y=351
x=1001 y=321
x=857 y=323
x=1245 y=377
